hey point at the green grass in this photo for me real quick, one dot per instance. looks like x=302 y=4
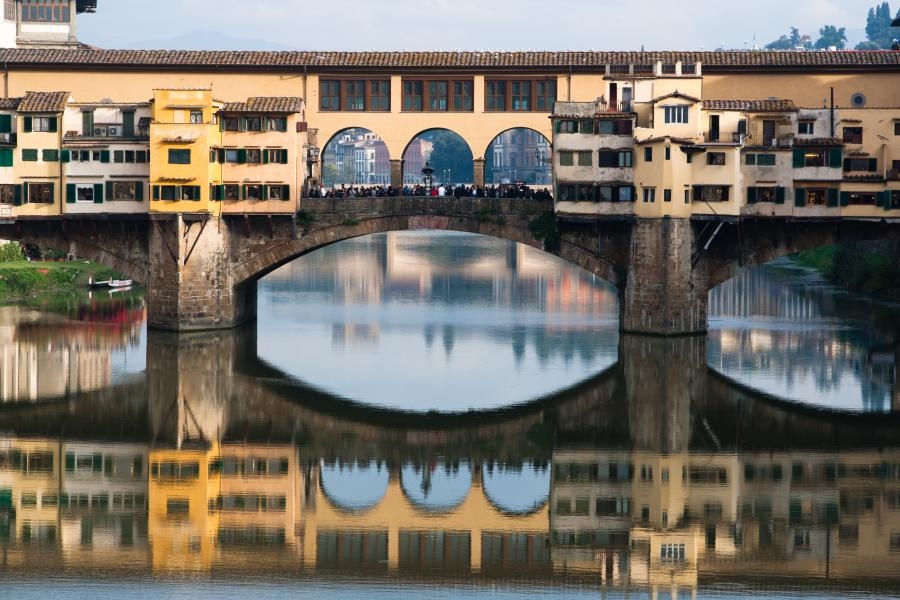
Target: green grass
x=21 y=279
x=870 y=269
x=820 y=259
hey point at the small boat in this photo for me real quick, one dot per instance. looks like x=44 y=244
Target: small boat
x=119 y=283
x=98 y=284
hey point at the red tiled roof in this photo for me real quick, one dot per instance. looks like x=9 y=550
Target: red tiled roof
x=266 y=105
x=318 y=61
x=808 y=142
x=9 y=103
x=34 y=102
x=751 y=105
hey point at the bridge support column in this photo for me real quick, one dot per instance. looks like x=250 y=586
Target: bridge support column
x=664 y=293
x=397 y=172
x=190 y=287
x=478 y=166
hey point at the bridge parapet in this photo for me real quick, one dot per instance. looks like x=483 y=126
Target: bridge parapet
x=476 y=207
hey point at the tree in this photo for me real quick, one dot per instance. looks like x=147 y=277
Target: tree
x=450 y=154
x=878 y=28
x=830 y=35
x=790 y=42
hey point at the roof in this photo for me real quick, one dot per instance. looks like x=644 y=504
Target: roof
x=667 y=138
x=575 y=110
x=332 y=61
x=676 y=94
x=266 y=105
x=751 y=105
x=49 y=102
x=808 y=142
x=9 y=103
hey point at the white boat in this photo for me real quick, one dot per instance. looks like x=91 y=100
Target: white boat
x=119 y=283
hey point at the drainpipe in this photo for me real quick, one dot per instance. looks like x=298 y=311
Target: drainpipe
x=5 y=80
x=831 y=112
x=569 y=85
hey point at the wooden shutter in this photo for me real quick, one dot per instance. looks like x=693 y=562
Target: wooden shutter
x=832 y=195
x=104 y=156
x=873 y=165
x=27 y=124
x=110 y=192
x=98 y=193
x=284 y=156
x=845 y=198
x=70 y=193
x=128 y=123
x=119 y=156
x=65 y=156
x=5 y=123
x=265 y=156
x=52 y=124
x=886 y=199
x=6 y=157
x=285 y=192
x=799 y=197
x=751 y=194
x=779 y=195
x=242 y=156
x=155 y=192
x=835 y=157
x=799 y=158
x=139 y=191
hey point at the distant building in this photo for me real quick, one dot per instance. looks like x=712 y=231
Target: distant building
x=42 y=23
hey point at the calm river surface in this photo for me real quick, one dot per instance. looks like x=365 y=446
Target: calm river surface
x=448 y=416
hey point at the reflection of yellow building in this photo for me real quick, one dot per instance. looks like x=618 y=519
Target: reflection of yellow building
x=29 y=486
x=222 y=504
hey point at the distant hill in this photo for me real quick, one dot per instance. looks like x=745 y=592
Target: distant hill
x=203 y=40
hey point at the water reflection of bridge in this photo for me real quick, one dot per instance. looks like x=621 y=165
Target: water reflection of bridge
x=667 y=479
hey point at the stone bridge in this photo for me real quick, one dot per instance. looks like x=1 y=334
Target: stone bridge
x=201 y=270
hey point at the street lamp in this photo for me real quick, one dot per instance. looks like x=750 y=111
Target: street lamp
x=428 y=176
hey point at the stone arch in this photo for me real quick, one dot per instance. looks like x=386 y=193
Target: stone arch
x=514 y=506
x=456 y=491
x=540 y=153
x=412 y=166
x=375 y=486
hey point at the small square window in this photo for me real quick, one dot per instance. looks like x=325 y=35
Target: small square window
x=197 y=117
x=715 y=158
x=806 y=127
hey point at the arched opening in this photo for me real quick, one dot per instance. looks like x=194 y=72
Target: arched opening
x=518 y=155
x=355 y=487
x=355 y=156
x=445 y=151
x=516 y=489
x=436 y=487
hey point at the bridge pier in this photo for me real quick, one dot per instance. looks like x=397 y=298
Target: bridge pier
x=190 y=285
x=478 y=177
x=665 y=293
x=397 y=172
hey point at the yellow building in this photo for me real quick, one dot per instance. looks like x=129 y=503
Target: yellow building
x=183 y=132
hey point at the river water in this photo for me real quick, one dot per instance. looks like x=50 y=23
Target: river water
x=425 y=414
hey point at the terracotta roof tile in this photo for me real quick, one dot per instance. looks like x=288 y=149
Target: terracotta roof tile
x=51 y=102
x=807 y=142
x=317 y=61
x=751 y=105
x=266 y=105
x=9 y=103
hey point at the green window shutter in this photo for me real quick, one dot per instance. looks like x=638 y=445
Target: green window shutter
x=196 y=192
x=98 y=193
x=265 y=156
x=70 y=462
x=886 y=195
x=242 y=156
x=24 y=193
x=87 y=123
x=873 y=165
x=70 y=193
x=53 y=192
x=799 y=197
x=29 y=154
x=751 y=194
x=109 y=191
x=97 y=463
x=104 y=156
x=845 y=198
x=285 y=192
x=50 y=155
x=6 y=157
x=128 y=123
x=156 y=192
x=243 y=192
x=65 y=156
x=751 y=159
x=52 y=124
x=263 y=192
x=26 y=124
x=213 y=192
x=119 y=156
x=779 y=195
x=17 y=196
x=139 y=191
x=799 y=158
x=833 y=197
x=284 y=157
x=835 y=157
x=221 y=155
x=5 y=123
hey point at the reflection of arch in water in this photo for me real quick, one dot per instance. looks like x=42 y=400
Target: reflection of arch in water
x=356 y=487
x=520 y=491
x=437 y=488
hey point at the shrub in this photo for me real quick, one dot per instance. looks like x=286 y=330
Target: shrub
x=10 y=252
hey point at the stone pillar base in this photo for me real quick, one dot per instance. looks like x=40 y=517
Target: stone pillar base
x=397 y=173
x=478 y=166
x=664 y=293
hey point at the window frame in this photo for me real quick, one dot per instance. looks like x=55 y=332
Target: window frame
x=676 y=114
x=180 y=154
x=519 y=94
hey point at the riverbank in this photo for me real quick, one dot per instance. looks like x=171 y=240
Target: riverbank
x=20 y=280
x=870 y=268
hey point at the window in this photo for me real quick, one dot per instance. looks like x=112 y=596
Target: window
x=413 y=96
x=896 y=127
x=277 y=192
x=179 y=157
x=46 y=124
x=520 y=94
x=613 y=507
x=253 y=192
x=544 y=95
x=251 y=123
x=646 y=472
x=668 y=153
x=45 y=11
x=463 y=95
x=9 y=10
x=814 y=157
x=84 y=193
x=126 y=190
x=715 y=158
x=585 y=126
x=675 y=114
x=648 y=154
x=176 y=192
x=40 y=193
x=230 y=124
x=765 y=194
x=495 y=95
x=254 y=156
x=566 y=126
x=810 y=196
x=196 y=117
x=232 y=191
x=380 y=95
x=853 y=135
x=276 y=155
x=649 y=194
x=329 y=95
x=761 y=160
x=566 y=158
x=615 y=127
x=806 y=127
x=8 y=193
x=607 y=193
x=858 y=163
x=710 y=193
x=584 y=158
x=29 y=154
x=856 y=198
x=671 y=552
x=437 y=95
x=667 y=195
x=276 y=123
x=50 y=155
x=615 y=158
x=355 y=95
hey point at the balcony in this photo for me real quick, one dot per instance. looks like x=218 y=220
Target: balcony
x=625 y=106
x=893 y=175
x=724 y=137
x=8 y=139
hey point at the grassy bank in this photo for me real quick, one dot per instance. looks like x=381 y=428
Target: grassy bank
x=22 y=279
x=871 y=268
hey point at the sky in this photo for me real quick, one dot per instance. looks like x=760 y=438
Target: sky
x=463 y=24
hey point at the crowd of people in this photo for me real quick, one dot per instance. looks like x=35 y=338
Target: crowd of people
x=504 y=190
